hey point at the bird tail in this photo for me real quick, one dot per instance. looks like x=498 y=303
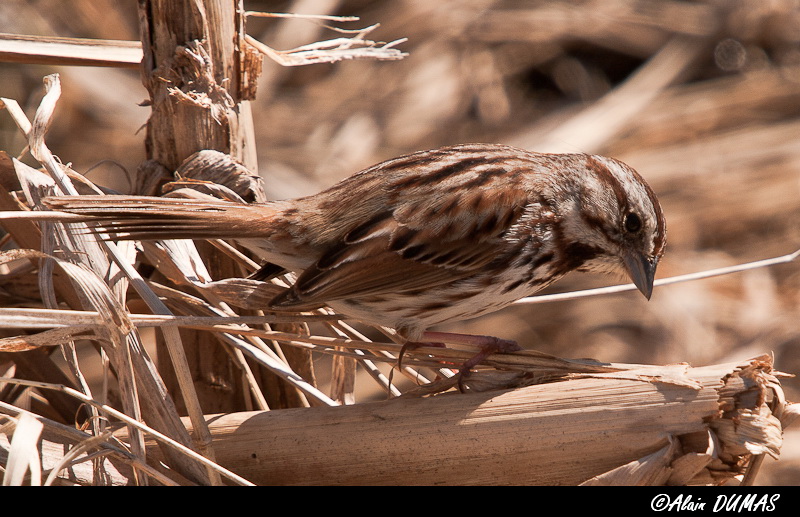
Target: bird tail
x=155 y=218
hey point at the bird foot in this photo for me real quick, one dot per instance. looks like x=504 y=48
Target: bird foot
x=411 y=345
x=488 y=345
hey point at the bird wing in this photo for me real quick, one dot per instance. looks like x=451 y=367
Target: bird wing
x=418 y=246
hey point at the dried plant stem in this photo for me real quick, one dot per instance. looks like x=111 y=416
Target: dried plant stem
x=18 y=116
x=23 y=317
x=110 y=411
x=562 y=433
x=265 y=356
x=252 y=383
x=331 y=51
x=784 y=259
x=352 y=346
x=74 y=435
x=346 y=331
x=75 y=452
x=261 y=14
x=40 y=151
x=53 y=50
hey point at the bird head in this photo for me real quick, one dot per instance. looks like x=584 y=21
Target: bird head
x=616 y=222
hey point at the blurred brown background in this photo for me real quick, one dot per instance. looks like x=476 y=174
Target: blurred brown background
x=702 y=98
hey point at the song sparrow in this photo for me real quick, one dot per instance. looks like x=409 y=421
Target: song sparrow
x=431 y=237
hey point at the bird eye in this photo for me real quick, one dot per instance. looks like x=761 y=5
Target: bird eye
x=633 y=223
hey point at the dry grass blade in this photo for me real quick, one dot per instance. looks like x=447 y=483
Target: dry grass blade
x=23 y=456
x=331 y=51
x=260 y=14
x=53 y=337
x=117 y=333
x=162 y=438
x=40 y=151
x=69 y=459
x=17 y=115
x=86 y=246
x=316 y=19
x=49 y=50
x=59 y=437
x=180 y=261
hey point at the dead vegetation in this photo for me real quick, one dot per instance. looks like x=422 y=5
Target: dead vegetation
x=702 y=98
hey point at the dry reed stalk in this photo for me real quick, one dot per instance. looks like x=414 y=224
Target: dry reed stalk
x=577 y=431
x=69 y=51
x=163 y=439
x=79 y=247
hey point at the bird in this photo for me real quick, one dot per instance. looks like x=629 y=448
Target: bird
x=427 y=238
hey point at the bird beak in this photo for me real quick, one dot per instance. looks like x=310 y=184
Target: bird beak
x=642 y=270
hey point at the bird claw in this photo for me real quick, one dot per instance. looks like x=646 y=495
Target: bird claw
x=411 y=345
x=488 y=345
x=493 y=345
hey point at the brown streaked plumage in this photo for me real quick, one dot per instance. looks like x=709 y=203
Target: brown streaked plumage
x=427 y=238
